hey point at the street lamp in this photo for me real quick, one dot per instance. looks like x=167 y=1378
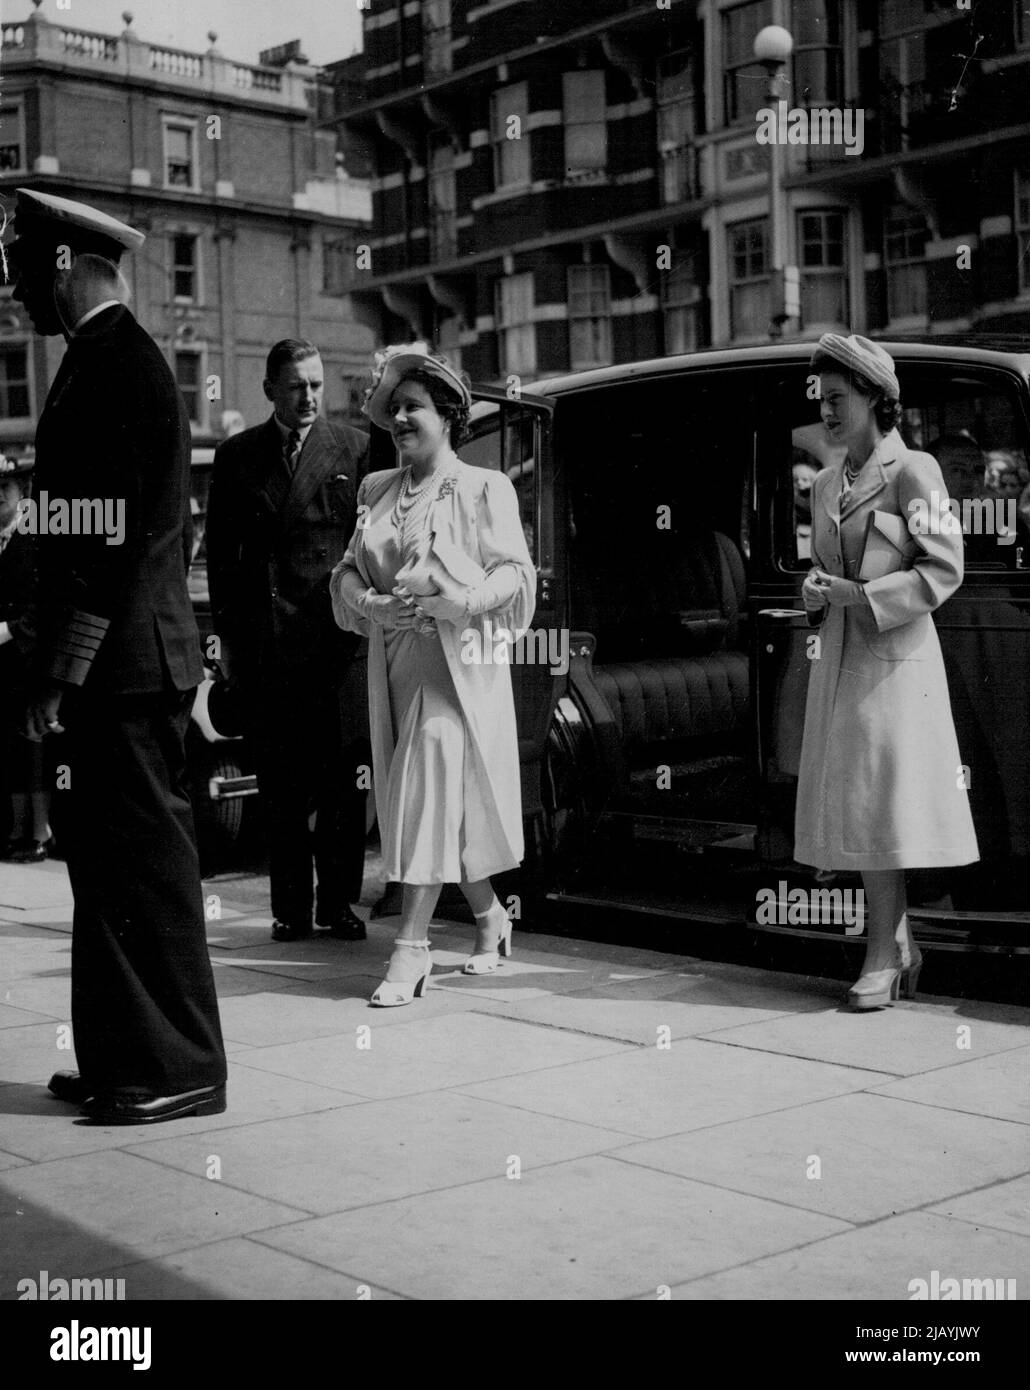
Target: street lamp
x=772 y=48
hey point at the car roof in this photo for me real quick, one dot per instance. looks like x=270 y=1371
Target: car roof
x=1012 y=352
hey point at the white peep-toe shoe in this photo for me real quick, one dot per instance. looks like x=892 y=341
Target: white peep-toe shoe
x=392 y=993
x=485 y=962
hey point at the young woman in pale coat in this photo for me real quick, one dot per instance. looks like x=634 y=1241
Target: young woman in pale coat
x=881 y=787
x=444 y=743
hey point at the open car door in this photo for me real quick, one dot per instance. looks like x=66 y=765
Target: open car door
x=516 y=437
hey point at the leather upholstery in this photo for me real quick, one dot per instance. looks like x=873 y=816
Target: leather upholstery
x=665 y=665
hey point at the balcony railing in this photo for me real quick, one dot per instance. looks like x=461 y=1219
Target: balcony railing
x=921 y=113
x=177 y=62
x=101 y=47
x=37 y=40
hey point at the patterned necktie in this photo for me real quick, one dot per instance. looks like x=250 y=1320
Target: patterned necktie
x=291 y=451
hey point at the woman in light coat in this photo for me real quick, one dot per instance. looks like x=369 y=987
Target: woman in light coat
x=881 y=787
x=438 y=552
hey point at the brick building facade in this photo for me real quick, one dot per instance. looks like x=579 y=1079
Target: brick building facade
x=231 y=172
x=629 y=215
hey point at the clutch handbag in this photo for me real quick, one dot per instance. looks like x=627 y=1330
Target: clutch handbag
x=888 y=546
x=440 y=567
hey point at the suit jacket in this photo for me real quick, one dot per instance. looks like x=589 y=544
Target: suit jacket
x=114 y=432
x=272 y=542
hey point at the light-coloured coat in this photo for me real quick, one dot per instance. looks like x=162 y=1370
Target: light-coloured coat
x=881 y=783
x=480 y=515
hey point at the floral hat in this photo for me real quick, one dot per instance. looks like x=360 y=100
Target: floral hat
x=393 y=364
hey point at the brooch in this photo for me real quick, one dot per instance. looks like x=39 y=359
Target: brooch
x=446 y=489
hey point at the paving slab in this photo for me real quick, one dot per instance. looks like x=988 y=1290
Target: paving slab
x=77 y=1216
x=17 y=1018
x=381 y=1151
x=997 y=1085
x=335 y=1007
x=651 y=1092
x=424 y=1054
x=32 y=1052
x=1003 y=1206
x=587 y=1229
x=680 y=1004
x=242 y=1269
x=36 y=1126
x=859 y=1157
x=24 y=956
x=900 y=1041
x=880 y=1261
x=48 y=994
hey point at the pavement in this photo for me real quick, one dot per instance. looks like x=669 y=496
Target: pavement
x=593 y=1122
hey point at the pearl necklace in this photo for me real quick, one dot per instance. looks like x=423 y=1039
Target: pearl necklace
x=408 y=496
x=413 y=492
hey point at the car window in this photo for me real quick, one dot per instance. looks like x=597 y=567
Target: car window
x=508 y=437
x=200 y=483
x=970 y=421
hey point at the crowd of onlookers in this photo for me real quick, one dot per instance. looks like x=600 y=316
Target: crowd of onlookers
x=970 y=474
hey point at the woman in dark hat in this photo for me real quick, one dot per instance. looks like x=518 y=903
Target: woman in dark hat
x=21 y=760
x=881 y=787
x=438 y=553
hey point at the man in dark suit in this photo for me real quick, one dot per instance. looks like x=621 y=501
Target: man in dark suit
x=281 y=510
x=117 y=662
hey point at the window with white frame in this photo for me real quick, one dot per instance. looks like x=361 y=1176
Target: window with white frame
x=824 y=284
x=443 y=199
x=682 y=304
x=509 y=111
x=185 y=276
x=515 y=326
x=677 y=125
x=1023 y=228
x=436 y=32
x=586 y=122
x=187 y=376
x=180 y=152
x=905 y=236
x=817 y=59
x=14 y=382
x=590 y=316
x=338 y=259
x=12 y=138
x=744 y=80
x=750 y=281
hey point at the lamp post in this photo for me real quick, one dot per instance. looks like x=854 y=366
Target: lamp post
x=772 y=48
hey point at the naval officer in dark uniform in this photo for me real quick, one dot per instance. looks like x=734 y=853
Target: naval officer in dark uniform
x=116 y=667
x=281 y=509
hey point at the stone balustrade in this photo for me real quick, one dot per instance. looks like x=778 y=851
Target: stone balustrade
x=36 y=40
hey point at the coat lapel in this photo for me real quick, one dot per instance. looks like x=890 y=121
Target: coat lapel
x=319 y=459
x=873 y=477
x=267 y=471
x=829 y=492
